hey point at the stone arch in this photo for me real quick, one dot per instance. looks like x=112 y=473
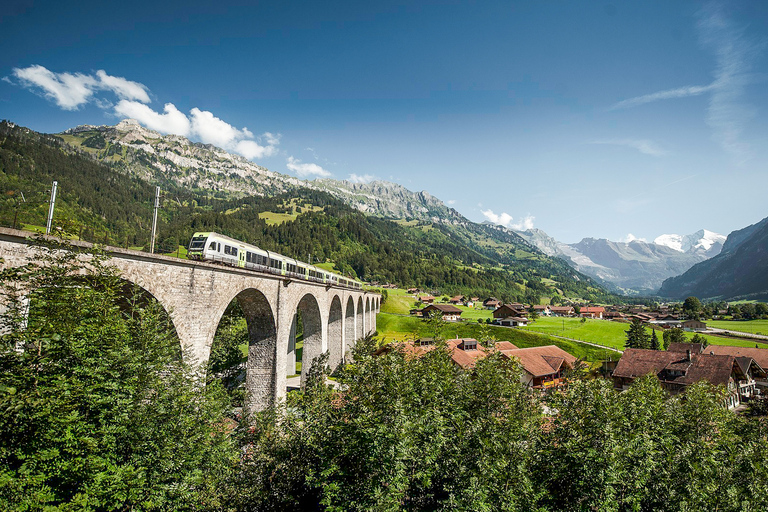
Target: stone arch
x=260 y=376
x=312 y=324
x=360 y=319
x=349 y=326
x=335 y=333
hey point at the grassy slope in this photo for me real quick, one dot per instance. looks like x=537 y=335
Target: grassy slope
x=396 y=327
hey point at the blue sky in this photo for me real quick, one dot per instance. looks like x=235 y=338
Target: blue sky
x=601 y=119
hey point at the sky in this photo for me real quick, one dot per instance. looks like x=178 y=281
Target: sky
x=618 y=120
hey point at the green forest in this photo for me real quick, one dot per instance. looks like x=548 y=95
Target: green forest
x=98 y=411
x=100 y=204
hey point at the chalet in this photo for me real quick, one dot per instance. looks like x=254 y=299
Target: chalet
x=694 y=325
x=465 y=352
x=509 y=316
x=562 y=310
x=543 y=366
x=676 y=370
x=759 y=355
x=491 y=303
x=426 y=299
x=413 y=291
x=450 y=313
x=613 y=315
x=542 y=309
x=592 y=312
x=458 y=299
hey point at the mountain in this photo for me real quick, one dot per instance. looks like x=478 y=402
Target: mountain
x=703 y=242
x=739 y=271
x=166 y=159
x=635 y=267
x=106 y=184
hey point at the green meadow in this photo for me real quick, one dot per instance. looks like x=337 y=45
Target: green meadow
x=750 y=326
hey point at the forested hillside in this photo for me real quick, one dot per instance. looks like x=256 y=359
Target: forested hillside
x=99 y=203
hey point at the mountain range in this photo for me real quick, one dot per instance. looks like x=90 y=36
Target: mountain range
x=634 y=267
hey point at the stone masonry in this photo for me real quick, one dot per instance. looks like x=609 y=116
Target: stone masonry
x=195 y=294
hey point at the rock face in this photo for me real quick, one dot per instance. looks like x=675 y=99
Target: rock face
x=739 y=271
x=150 y=155
x=636 y=267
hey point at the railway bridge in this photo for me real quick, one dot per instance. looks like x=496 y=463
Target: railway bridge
x=195 y=295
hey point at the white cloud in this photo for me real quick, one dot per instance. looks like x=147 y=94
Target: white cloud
x=304 y=170
x=680 y=92
x=172 y=121
x=67 y=90
x=727 y=112
x=125 y=89
x=451 y=202
x=631 y=238
x=365 y=178
x=506 y=220
x=644 y=146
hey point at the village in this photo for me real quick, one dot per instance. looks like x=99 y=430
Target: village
x=740 y=370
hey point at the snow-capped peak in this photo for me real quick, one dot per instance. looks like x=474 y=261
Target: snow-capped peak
x=700 y=241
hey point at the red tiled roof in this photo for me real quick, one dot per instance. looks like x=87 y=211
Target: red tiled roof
x=505 y=345
x=760 y=355
x=540 y=361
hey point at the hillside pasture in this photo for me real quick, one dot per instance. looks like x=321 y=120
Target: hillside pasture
x=398 y=328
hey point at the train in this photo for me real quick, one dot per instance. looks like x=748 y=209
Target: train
x=228 y=251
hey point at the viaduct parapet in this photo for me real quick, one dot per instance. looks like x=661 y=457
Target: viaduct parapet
x=195 y=295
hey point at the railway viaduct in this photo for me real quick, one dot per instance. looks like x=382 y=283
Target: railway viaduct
x=195 y=295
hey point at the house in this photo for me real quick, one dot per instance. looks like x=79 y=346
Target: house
x=491 y=303
x=543 y=366
x=542 y=309
x=694 y=325
x=562 y=310
x=676 y=370
x=450 y=313
x=592 y=312
x=413 y=291
x=465 y=352
x=613 y=315
x=458 y=299
x=426 y=299
x=509 y=316
x=759 y=355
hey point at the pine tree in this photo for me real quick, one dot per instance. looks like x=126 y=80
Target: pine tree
x=637 y=337
x=655 y=345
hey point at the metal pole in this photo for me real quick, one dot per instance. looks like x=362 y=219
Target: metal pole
x=51 y=206
x=154 y=221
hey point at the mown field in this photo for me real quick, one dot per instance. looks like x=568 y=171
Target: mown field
x=397 y=328
x=750 y=326
x=609 y=333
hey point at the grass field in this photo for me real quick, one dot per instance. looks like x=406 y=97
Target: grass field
x=609 y=333
x=398 y=302
x=750 y=326
x=397 y=328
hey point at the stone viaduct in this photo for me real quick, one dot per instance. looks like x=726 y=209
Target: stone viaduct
x=195 y=295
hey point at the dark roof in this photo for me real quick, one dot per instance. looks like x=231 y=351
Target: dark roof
x=636 y=362
x=506 y=310
x=760 y=355
x=445 y=308
x=540 y=361
x=695 y=348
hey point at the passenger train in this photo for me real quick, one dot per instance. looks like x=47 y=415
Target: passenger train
x=226 y=250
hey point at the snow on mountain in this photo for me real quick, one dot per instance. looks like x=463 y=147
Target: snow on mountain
x=704 y=242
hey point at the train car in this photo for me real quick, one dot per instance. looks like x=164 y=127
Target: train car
x=210 y=246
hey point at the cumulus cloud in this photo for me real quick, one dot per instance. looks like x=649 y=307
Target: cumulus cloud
x=67 y=90
x=365 y=178
x=506 y=220
x=72 y=90
x=631 y=238
x=644 y=146
x=124 y=88
x=303 y=170
x=172 y=121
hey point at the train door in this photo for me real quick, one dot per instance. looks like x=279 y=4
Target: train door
x=241 y=257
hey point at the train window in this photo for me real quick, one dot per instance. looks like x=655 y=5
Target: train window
x=212 y=247
x=218 y=247
x=197 y=243
x=232 y=251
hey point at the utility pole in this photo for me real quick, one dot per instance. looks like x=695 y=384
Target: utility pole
x=51 y=206
x=154 y=221
x=18 y=205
